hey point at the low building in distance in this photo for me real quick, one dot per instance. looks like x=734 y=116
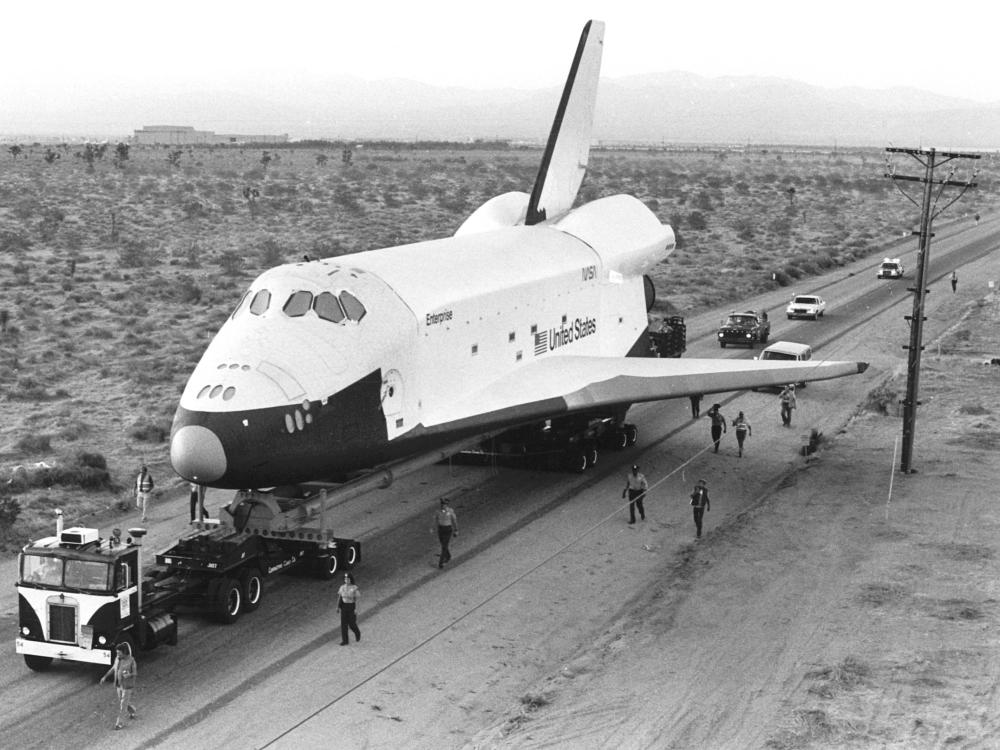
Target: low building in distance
x=185 y=135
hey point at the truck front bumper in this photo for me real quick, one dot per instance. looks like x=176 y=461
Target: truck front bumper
x=63 y=651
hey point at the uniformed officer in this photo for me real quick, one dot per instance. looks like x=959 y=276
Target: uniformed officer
x=636 y=487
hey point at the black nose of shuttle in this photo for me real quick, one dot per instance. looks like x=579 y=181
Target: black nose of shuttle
x=197 y=454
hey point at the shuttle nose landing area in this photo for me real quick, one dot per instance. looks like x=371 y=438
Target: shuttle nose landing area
x=197 y=454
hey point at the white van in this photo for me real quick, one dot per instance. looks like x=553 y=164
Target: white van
x=788 y=350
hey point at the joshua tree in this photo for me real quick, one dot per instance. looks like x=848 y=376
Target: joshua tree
x=15 y=151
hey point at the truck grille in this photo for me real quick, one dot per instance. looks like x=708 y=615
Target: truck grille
x=62 y=623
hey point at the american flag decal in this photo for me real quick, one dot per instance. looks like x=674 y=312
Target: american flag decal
x=541 y=342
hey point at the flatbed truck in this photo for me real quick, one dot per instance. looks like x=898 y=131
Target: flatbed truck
x=80 y=595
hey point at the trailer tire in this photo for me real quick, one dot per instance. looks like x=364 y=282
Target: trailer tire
x=227 y=600
x=37 y=663
x=327 y=566
x=592 y=455
x=576 y=461
x=252 y=587
x=631 y=434
x=621 y=439
x=350 y=556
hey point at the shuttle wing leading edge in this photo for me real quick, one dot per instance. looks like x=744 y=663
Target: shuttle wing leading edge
x=573 y=383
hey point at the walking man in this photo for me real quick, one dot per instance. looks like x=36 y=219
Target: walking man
x=447 y=526
x=954 y=281
x=787 y=404
x=695 y=406
x=636 y=487
x=742 y=430
x=143 y=488
x=124 y=670
x=699 y=504
x=718 y=424
x=347 y=604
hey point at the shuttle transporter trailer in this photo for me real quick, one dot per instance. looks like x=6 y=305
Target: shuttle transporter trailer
x=79 y=595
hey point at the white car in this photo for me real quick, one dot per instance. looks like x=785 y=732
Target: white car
x=806 y=306
x=891 y=268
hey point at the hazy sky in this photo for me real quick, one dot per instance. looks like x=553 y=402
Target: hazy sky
x=58 y=48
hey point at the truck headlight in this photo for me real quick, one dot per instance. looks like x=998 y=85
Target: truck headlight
x=102 y=640
x=25 y=631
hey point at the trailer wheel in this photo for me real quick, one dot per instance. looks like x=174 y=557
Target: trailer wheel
x=327 y=566
x=228 y=601
x=350 y=556
x=621 y=439
x=576 y=461
x=592 y=455
x=252 y=586
x=631 y=434
x=37 y=663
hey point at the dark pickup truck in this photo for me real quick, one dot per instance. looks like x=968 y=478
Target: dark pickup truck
x=745 y=328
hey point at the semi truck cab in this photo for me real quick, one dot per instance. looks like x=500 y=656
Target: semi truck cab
x=79 y=596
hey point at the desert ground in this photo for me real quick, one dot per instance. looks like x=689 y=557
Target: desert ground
x=833 y=601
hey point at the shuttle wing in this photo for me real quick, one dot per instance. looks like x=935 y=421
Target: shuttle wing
x=568 y=384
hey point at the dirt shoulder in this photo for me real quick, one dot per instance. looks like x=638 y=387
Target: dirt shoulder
x=852 y=607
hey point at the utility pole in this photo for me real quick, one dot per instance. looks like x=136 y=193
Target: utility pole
x=928 y=212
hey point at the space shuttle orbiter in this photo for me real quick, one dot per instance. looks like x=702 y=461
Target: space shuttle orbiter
x=533 y=311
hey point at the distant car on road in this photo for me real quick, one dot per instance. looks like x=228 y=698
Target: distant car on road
x=891 y=268
x=745 y=328
x=806 y=306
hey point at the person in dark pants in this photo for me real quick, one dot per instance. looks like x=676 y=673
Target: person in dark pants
x=718 y=424
x=446 y=523
x=788 y=404
x=695 y=406
x=198 y=498
x=347 y=603
x=636 y=486
x=699 y=504
x=742 y=427
x=954 y=281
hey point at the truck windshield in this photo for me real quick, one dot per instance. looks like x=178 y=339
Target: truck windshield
x=41 y=569
x=89 y=575
x=740 y=320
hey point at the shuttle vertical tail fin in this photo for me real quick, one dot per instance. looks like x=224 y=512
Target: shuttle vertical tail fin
x=564 y=162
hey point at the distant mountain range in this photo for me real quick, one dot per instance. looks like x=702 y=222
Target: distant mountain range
x=664 y=107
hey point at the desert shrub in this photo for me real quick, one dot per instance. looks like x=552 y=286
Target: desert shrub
x=696 y=220
x=92 y=460
x=148 y=431
x=28 y=389
x=270 y=253
x=133 y=254
x=186 y=290
x=32 y=444
x=882 y=400
x=231 y=262
x=10 y=509
x=13 y=242
x=74 y=430
x=781 y=278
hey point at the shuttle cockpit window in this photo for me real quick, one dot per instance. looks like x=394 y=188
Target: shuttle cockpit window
x=298 y=304
x=327 y=306
x=242 y=302
x=261 y=302
x=352 y=306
